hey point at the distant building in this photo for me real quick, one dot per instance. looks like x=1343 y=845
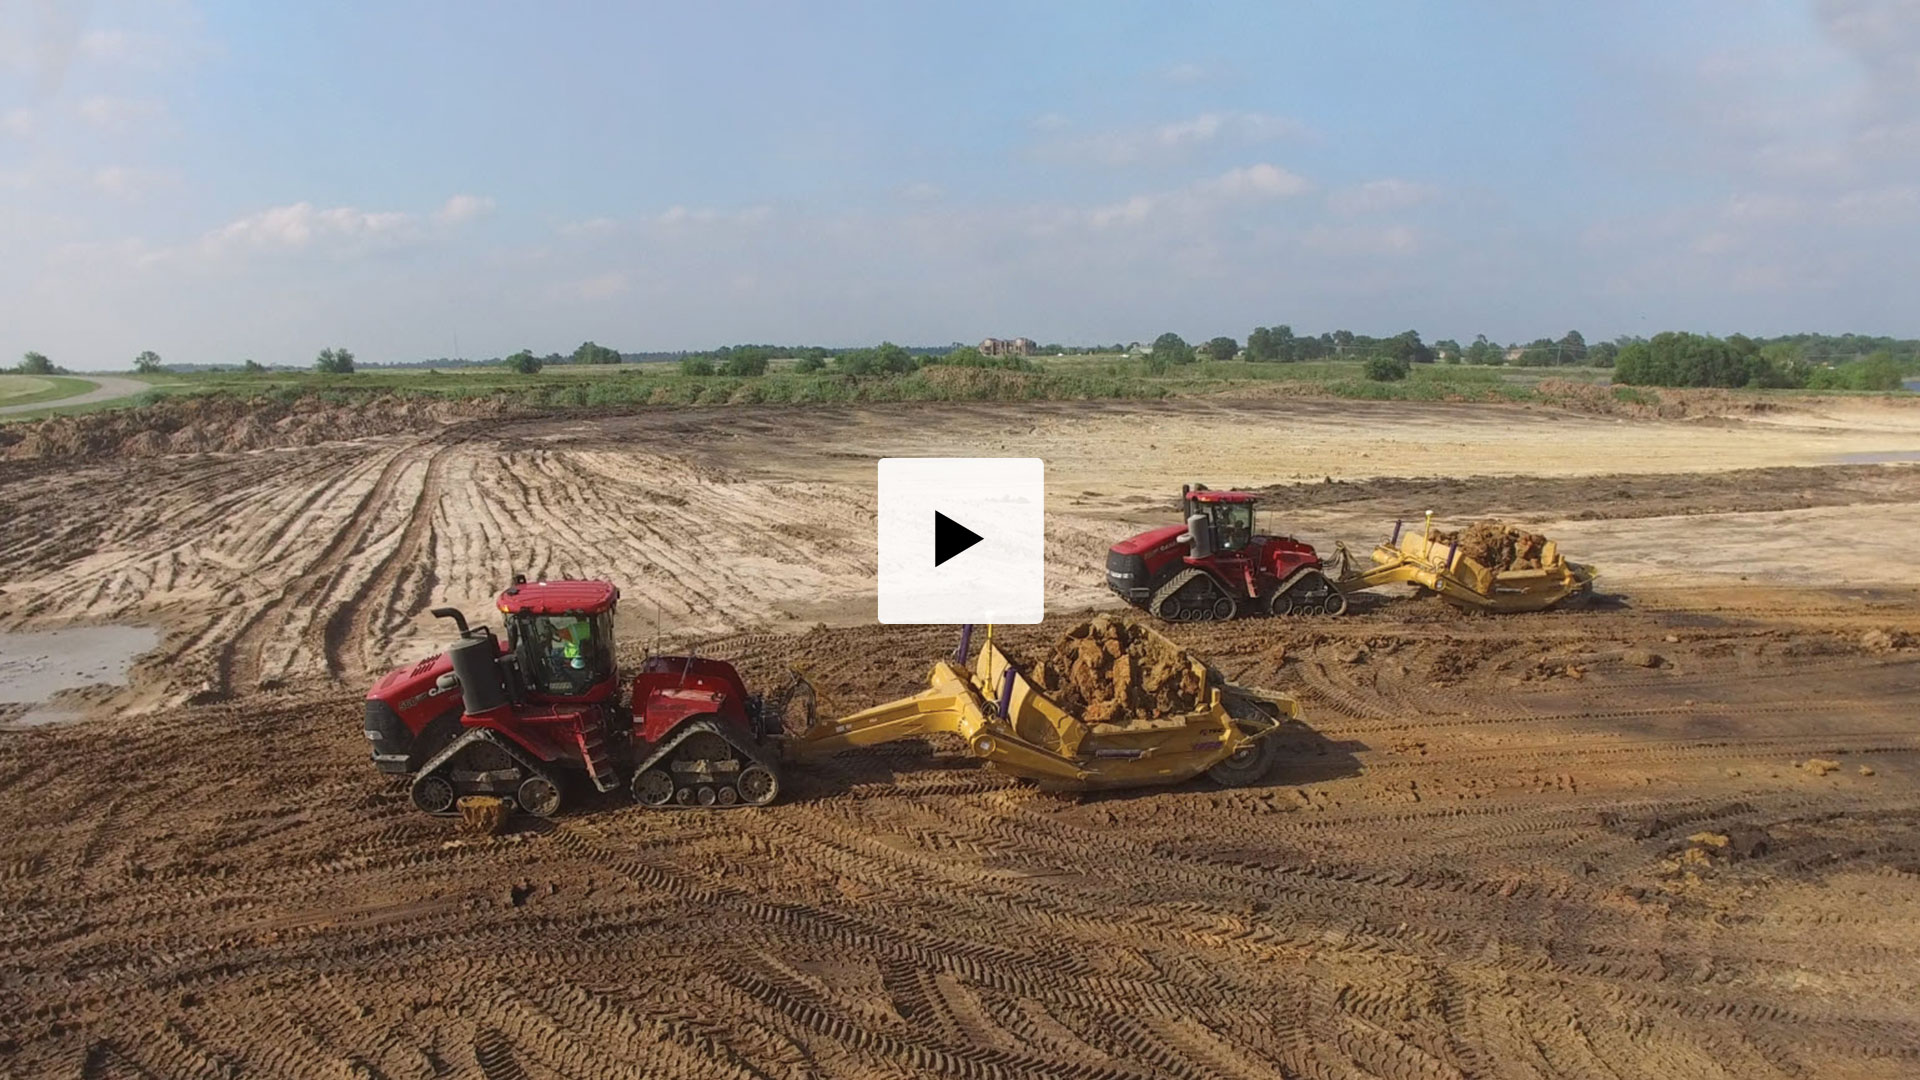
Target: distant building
x=1008 y=347
x=1514 y=354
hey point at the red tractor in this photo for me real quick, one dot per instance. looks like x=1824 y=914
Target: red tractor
x=1214 y=566
x=521 y=720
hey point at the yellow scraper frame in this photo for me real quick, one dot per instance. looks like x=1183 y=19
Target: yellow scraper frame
x=1442 y=568
x=1006 y=721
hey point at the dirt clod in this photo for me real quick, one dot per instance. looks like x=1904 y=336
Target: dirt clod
x=482 y=816
x=1498 y=546
x=1111 y=671
x=1819 y=766
x=1881 y=641
x=1643 y=658
x=1748 y=841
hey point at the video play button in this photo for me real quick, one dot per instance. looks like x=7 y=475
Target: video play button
x=934 y=511
x=950 y=538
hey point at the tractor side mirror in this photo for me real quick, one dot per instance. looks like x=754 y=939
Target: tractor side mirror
x=1202 y=535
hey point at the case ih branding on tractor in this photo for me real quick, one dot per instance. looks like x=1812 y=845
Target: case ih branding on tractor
x=1215 y=566
x=492 y=726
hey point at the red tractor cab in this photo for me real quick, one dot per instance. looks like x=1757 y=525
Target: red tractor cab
x=526 y=719
x=1215 y=565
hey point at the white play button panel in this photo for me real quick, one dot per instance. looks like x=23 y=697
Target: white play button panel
x=962 y=540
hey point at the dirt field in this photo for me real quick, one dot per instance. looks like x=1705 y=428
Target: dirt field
x=275 y=564
x=1678 y=834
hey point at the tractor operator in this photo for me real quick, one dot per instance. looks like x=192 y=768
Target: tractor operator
x=567 y=648
x=569 y=638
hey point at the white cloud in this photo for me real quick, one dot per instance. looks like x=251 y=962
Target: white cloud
x=1894 y=205
x=18 y=122
x=1176 y=139
x=1361 y=240
x=1249 y=183
x=119 y=114
x=1890 y=140
x=125 y=182
x=602 y=287
x=1261 y=181
x=303 y=225
x=1050 y=121
x=110 y=46
x=1377 y=196
x=339 y=230
x=1883 y=34
x=1186 y=74
x=681 y=215
x=1129 y=212
x=463 y=208
x=589 y=227
x=1763 y=206
x=49 y=40
x=165 y=47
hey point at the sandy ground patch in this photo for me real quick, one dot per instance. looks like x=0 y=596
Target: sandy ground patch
x=272 y=565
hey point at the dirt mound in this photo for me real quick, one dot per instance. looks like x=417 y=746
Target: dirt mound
x=979 y=383
x=1664 y=403
x=1498 y=546
x=217 y=423
x=1110 y=671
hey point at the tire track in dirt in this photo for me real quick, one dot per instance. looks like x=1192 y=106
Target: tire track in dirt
x=400 y=583
x=240 y=661
x=1469 y=863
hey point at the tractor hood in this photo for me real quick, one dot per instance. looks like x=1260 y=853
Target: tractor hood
x=1151 y=540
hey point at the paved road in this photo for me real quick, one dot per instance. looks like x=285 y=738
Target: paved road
x=105 y=388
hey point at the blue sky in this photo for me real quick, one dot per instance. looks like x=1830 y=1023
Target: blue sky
x=217 y=181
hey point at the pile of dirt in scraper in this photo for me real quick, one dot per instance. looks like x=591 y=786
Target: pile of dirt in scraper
x=1109 y=671
x=1498 y=546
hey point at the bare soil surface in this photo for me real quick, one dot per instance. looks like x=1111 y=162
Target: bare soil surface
x=270 y=564
x=1613 y=843
x=1677 y=834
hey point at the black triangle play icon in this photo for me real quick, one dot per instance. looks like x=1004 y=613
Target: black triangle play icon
x=950 y=538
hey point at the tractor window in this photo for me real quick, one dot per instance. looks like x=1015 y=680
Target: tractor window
x=563 y=655
x=1232 y=525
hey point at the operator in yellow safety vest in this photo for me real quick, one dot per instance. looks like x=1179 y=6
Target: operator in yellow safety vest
x=570 y=641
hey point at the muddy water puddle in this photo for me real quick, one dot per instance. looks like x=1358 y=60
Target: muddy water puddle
x=36 y=665
x=1878 y=457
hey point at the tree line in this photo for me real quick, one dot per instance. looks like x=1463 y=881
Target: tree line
x=1674 y=358
x=1683 y=359
x=1811 y=361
